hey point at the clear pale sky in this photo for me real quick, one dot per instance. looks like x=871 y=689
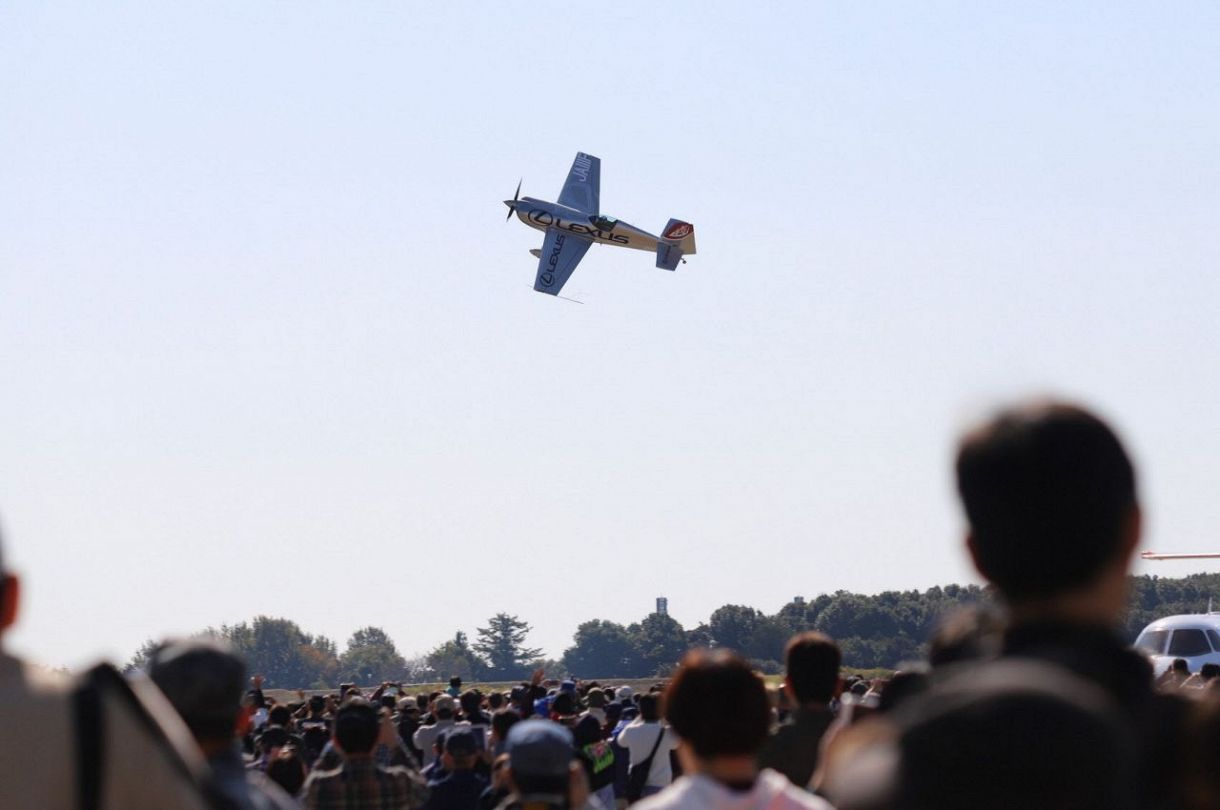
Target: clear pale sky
x=268 y=346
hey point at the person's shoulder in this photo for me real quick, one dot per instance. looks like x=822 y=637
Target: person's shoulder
x=268 y=794
x=787 y=795
x=324 y=775
x=680 y=793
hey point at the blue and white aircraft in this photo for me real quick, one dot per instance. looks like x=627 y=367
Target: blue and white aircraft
x=575 y=222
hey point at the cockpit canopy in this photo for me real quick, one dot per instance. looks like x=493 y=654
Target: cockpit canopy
x=603 y=223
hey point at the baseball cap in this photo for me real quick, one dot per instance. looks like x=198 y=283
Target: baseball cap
x=460 y=743
x=567 y=686
x=539 y=747
x=624 y=693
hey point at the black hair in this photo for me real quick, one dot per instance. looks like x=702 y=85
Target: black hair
x=287 y=770
x=204 y=681
x=812 y=663
x=1048 y=490
x=503 y=720
x=717 y=705
x=470 y=700
x=356 y=727
x=650 y=707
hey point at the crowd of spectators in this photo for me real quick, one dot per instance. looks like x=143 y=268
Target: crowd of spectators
x=1034 y=702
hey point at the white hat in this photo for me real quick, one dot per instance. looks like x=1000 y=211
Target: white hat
x=623 y=694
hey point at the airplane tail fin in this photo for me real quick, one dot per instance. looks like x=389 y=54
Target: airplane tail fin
x=677 y=240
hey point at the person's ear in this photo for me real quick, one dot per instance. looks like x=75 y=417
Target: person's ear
x=10 y=600
x=1133 y=530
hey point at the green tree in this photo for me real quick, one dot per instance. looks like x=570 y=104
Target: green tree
x=502 y=645
x=659 y=643
x=455 y=657
x=278 y=650
x=371 y=658
x=600 y=649
x=139 y=662
x=733 y=626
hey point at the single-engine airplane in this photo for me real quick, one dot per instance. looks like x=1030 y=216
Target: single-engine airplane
x=575 y=222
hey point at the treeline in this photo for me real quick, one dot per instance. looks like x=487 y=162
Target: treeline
x=883 y=630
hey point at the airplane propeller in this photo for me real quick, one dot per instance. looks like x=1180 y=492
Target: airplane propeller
x=512 y=205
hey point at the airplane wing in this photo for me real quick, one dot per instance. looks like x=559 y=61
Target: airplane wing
x=582 y=189
x=561 y=252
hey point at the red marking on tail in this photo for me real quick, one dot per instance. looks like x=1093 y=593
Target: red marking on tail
x=680 y=231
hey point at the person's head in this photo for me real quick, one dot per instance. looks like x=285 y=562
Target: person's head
x=317 y=705
x=596 y=699
x=443 y=708
x=624 y=694
x=495 y=701
x=287 y=770
x=502 y=721
x=587 y=731
x=540 y=756
x=1209 y=671
x=408 y=709
x=717 y=705
x=279 y=716
x=650 y=707
x=563 y=705
x=812 y=661
x=272 y=740
x=356 y=727
x=455 y=682
x=1180 y=667
x=204 y=681
x=461 y=750
x=1049 y=494
x=1005 y=734
x=470 y=701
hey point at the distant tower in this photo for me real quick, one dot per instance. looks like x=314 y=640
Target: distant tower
x=662 y=606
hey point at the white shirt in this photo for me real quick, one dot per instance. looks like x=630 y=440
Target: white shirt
x=771 y=791
x=639 y=737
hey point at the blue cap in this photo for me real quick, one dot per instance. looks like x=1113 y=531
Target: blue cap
x=461 y=743
x=567 y=686
x=539 y=747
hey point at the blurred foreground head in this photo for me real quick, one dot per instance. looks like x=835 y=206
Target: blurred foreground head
x=1007 y=734
x=718 y=706
x=1050 y=497
x=203 y=679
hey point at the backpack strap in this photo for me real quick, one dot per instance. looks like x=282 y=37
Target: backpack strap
x=652 y=754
